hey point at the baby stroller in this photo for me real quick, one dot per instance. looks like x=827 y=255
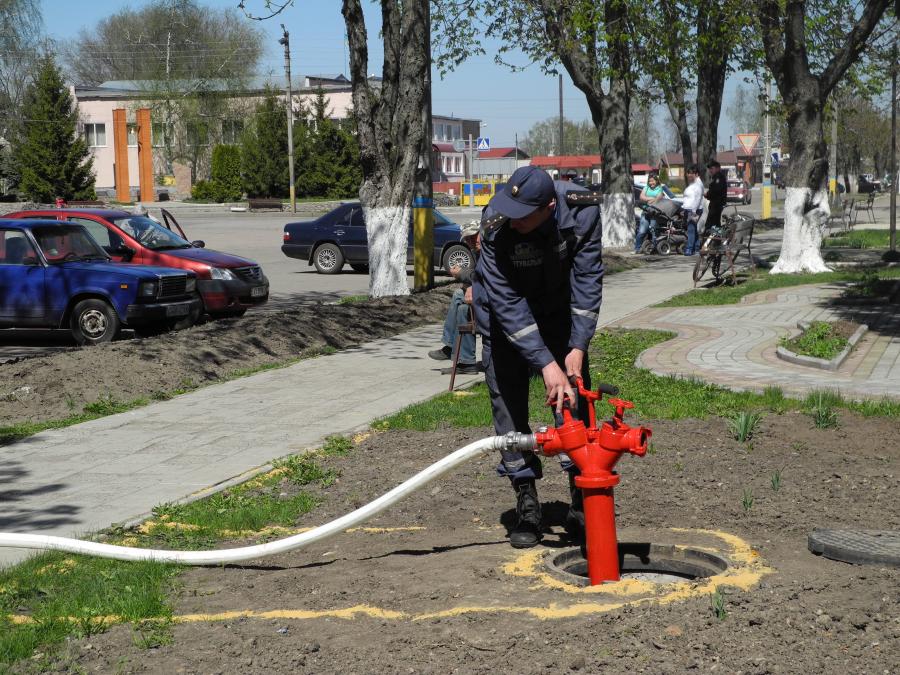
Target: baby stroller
x=668 y=227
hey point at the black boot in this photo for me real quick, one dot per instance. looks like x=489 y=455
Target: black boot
x=527 y=532
x=575 y=516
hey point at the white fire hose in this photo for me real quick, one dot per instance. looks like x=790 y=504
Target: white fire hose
x=436 y=470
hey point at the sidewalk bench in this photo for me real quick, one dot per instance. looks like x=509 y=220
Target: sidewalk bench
x=258 y=204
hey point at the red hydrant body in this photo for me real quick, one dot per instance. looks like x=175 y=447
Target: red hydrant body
x=595 y=452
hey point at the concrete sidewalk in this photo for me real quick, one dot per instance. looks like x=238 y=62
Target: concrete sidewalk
x=112 y=470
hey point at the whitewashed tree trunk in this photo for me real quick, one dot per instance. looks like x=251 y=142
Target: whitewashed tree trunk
x=803 y=232
x=618 y=220
x=387 y=228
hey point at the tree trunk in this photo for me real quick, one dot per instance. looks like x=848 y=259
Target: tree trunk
x=711 y=72
x=391 y=132
x=678 y=111
x=806 y=209
x=618 y=199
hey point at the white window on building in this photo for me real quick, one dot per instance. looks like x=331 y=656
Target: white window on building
x=457 y=132
x=159 y=132
x=132 y=132
x=439 y=132
x=232 y=130
x=457 y=165
x=197 y=133
x=95 y=135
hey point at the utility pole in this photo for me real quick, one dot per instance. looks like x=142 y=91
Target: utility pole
x=767 y=159
x=895 y=179
x=832 y=173
x=286 y=41
x=560 y=151
x=423 y=197
x=471 y=173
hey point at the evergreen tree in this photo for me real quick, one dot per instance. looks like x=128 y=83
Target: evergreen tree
x=264 y=162
x=51 y=158
x=328 y=155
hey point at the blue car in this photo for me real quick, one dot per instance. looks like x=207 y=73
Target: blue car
x=340 y=237
x=54 y=275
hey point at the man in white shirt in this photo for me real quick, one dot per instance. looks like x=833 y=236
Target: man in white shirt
x=693 y=204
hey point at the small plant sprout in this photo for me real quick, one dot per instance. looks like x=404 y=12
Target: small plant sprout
x=776 y=480
x=824 y=416
x=743 y=425
x=679 y=467
x=717 y=603
x=747 y=500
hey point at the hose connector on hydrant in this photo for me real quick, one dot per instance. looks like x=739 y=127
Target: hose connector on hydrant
x=595 y=452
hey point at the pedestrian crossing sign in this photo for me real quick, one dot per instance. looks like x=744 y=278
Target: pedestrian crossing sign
x=484 y=143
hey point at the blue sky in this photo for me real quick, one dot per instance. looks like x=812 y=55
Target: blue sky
x=506 y=102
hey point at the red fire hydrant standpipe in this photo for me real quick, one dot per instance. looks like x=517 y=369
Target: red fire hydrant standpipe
x=595 y=452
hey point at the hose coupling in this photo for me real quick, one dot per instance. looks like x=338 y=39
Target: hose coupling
x=516 y=440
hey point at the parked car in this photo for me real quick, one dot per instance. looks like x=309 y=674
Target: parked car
x=54 y=275
x=228 y=284
x=340 y=237
x=737 y=191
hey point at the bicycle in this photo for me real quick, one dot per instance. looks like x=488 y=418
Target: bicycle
x=727 y=240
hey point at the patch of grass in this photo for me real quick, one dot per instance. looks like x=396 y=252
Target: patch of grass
x=68 y=595
x=743 y=425
x=822 y=340
x=613 y=354
x=352 y=299
x=858 y=239
x=760 y=280
x=76 y=595
x=820 y=406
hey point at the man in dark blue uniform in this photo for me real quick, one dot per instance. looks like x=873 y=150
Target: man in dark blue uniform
x=537 y=293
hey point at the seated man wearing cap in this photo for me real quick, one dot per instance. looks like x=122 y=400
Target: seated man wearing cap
x=458 y=312
x=537 y=293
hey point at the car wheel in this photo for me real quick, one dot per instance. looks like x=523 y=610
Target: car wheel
x=359 y=267
x=457 y=256
x=664 y=247
x=94 y=322
x=328 y=259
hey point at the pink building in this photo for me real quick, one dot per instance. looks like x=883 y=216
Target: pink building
x=181 y=151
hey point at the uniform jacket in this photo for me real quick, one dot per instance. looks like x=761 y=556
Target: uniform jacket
x=549 y=279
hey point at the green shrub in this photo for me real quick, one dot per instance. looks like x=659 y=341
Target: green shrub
x=226 y=172
x=205 y=190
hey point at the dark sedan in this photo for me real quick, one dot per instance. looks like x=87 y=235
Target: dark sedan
x=340 y=237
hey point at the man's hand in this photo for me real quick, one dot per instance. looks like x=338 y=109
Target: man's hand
x=468 y=296
x=557 y=385
x=454 y=271
x=574 y=362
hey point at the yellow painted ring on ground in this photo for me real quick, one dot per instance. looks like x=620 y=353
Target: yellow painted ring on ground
x=744 y=571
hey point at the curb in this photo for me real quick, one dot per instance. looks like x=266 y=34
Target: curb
x=814 y=362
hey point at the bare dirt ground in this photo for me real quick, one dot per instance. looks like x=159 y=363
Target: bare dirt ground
x=439 y=589
x=60 y=384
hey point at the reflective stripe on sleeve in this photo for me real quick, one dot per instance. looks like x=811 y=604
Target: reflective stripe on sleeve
x=586 y=312
x=519 y=334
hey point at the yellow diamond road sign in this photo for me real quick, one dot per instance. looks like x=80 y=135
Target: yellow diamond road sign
x=748 y=142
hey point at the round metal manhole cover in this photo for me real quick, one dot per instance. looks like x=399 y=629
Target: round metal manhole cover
x=656 y=563
x=861 y=547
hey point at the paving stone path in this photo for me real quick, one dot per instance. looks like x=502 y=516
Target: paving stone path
x=734 y=345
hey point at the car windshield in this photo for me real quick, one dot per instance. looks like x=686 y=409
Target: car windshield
x=65 y=243
x=149 y=233
x=441 y=219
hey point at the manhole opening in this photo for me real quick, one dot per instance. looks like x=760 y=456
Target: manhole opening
x=656 y=563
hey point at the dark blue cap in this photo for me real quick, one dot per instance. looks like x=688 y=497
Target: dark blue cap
x=528 y=188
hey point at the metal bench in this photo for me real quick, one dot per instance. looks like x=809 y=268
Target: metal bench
x=259 y=204
x=868 y=206
x=735 y=236
x=842 y=213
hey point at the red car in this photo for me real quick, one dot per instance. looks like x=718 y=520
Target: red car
x=228 y=284
x=738 y=191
